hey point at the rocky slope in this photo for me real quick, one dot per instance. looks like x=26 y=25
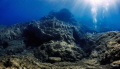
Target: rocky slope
x=57 y=43
x=45 y=37
x=107 y=48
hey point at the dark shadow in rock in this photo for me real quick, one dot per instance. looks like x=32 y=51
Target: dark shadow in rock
x=35 y=36
x=8 y=63
x=76 y=36
x=5 y=45
x=32 y=36
x=118 y=41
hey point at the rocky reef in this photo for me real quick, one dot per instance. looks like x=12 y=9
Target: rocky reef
x=107 y=48
x=55 y=42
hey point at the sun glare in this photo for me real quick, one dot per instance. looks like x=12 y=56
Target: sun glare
x=101 y=2
x=96 y=2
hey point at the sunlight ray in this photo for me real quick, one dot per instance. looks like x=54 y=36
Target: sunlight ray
x=103 y=5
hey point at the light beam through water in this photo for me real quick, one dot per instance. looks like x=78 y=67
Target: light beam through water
x=95 y=8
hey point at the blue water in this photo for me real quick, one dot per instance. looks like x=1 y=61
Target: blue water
x=16 y=11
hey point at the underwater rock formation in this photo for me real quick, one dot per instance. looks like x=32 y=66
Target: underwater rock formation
x=54 y=43
x=49 y=38
x=107 y=48
x=63 y=15
x=61 y=49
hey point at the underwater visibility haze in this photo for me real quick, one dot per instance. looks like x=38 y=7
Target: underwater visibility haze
x=59 y=34
x=98 y=14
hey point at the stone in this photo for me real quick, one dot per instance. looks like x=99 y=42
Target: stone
x=67 y=52
x=54 y=59
x=115 y=64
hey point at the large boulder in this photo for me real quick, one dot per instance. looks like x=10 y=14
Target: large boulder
x=62 y=49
